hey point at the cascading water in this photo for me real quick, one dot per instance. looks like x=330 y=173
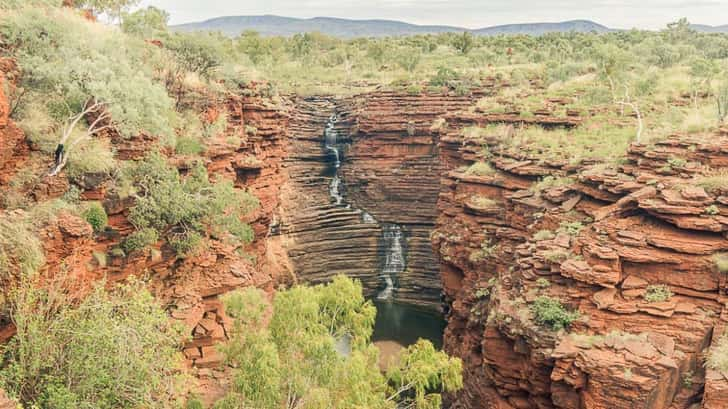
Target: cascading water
x=330 y=136
x=394 y=262
x=397 y=325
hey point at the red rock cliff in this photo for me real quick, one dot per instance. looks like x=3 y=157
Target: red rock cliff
x=597 y=244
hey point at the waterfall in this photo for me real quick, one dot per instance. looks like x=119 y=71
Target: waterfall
x=330 y=136
x=392 y=236
x=394 y=262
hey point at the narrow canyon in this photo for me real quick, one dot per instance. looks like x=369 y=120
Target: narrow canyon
x=376 y=186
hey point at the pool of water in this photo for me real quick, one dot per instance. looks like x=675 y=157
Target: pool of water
x=400 y=325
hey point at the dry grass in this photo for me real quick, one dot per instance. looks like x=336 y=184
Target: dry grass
x=480 y=169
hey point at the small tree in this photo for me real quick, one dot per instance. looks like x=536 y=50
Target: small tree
x=88 y=78
x=626 y=101
x=200 y=53
x=294 y=362
x=721 y=99
x=464 y=42
x=112 y=8
x=422 y=369
x=408 y=59
x=145 y=23
x=702 y=72
x=184 y=210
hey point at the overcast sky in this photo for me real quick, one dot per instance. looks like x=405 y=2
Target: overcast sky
x=650 y=14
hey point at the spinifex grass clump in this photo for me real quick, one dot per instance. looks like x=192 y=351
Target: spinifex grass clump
x=657 y=293
x=718 y=355
x=480 y=169
x=550 y=312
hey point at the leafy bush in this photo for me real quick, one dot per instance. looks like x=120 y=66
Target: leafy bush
x=145 y=23
x=189 y=146
x=715 y=182
x=549 y=311
x=464 y=42
x=200 y=53
x=139 y=240
x=184 y=210
x=445 y=76
x=114 y=350
x=550 y=182
x=657 y=293
x=75 y=70
x=482 y=202
x=543 y=283
x=21 y=255
x=95 y=215
x=92 y=157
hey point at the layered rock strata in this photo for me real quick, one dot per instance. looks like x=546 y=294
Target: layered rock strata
x=597 y=244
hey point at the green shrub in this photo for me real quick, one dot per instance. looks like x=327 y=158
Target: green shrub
x=189 y=146
x=21 y=255
x=115 y=349
x=712 y=210
x=200 y=53
x=71 y=66
x=95 y=215
x=570 y=228
x=657 y=293
x=549 y=311
x=146 y=23
x=543 y=283
x=675 y=162
x=482 y=202
x=139 y=240
x=188 y=209
x=194 y=403
x=21 y=251
x=550 y=182
x=445 y=77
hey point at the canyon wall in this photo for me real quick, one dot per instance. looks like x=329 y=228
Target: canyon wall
x=492 y=244
x=597 y=244
x=388 y=159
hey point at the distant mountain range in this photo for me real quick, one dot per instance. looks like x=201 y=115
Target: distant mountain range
x=710 y=29
x=270 y=25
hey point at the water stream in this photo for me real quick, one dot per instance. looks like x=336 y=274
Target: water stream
x=394 y=262
x=397 y=325
x=330 y=136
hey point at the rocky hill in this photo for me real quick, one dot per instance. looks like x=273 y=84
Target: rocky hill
x=339 y=27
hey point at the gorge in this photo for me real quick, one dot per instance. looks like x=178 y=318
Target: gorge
x=401 y=181
x=524 y=227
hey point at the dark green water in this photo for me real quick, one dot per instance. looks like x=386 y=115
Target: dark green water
x=405 y=324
